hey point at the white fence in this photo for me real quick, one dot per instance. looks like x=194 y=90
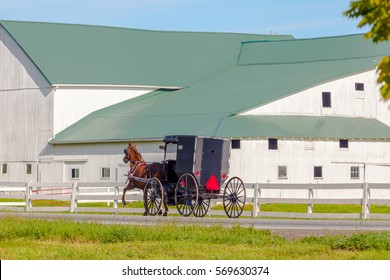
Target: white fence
x=72 y=194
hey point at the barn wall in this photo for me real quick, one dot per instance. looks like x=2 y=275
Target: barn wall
x=346 y=101
x=256 y=163
x=25 y=111
x=73 y=103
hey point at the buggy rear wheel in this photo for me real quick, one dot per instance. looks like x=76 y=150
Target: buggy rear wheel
x=153 y=196
x=234 y=197
x=202 y=206
x=186 y=194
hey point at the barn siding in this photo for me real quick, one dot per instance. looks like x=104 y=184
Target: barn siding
x=72 y=103
x=346 y=101
x=256 y=163
x=25 y=110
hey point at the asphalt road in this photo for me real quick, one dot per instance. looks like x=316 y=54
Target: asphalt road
x=266 y=224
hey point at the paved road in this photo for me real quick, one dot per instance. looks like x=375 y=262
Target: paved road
x=267 y=224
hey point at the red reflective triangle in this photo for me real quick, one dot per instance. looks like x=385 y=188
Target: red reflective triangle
x=212 y=184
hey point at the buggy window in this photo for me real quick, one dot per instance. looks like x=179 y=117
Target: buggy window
x=171 y=151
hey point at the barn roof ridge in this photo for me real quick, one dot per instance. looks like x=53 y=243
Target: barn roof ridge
x=137 y=29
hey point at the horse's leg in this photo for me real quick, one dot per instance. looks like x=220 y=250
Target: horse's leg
x=142 y=187
x=166 y=209
x=128 y=187
x=123 y=196
x=165 y=203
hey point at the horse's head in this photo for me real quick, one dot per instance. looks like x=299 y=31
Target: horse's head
x=131 y=154
x=126 y=157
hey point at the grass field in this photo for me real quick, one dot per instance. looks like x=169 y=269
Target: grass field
x=39 y=239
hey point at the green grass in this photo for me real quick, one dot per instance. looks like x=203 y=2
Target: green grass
x=39 y=239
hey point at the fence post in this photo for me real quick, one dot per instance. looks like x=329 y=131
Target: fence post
x=73 y=201
x=255 y=199
x=310 y=206
x=28 y=197
x=368 y=200
x=116 y=193
x=365 y=205
x=108 y=193
x=258 y=195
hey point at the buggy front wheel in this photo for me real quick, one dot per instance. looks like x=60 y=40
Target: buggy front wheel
x=234 y=197
x=153 y=196
x=186 y=194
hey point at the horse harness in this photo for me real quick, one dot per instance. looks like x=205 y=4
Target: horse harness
x=136 y=165
x=131 y=178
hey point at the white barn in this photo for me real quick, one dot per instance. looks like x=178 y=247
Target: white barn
x=298 y=111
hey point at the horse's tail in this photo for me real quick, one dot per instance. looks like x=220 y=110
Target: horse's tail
x=149 y=169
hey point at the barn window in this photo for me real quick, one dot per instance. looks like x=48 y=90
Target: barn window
x=343 y=143
x=105 y=173
x=354 y=172
x=359 y=86
x=236 y=144
x=272 y=144
x=318 y=172
x=326 y=100
x=4 y=168
x=28 y=168
x=282 y=172
x=75 y=173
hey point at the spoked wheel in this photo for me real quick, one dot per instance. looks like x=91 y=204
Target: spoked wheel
x=202 y=206
x=153 y=196
x=234 y=197
x=186 y=194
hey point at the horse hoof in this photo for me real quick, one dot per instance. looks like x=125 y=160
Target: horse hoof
x=145 y=213
x=160 y=212
x=165 y=214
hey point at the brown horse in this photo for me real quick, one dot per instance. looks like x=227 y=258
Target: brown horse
x=139 y=168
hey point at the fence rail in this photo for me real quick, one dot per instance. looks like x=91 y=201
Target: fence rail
x=71 y=194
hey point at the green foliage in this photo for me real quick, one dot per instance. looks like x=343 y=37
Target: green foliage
x=376 y=14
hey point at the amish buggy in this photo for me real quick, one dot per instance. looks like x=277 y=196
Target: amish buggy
x=195 y=175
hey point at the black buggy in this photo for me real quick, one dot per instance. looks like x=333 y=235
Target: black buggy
x=195 y=175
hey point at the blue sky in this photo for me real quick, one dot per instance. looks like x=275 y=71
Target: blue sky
x=301 y=18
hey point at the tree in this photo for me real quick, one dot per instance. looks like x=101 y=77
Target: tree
x=376 y=14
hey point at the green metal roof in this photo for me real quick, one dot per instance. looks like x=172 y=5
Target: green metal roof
x=306 y=127
x=261 y=75
x=86 y=54
x=310 y=50
x=119 y=123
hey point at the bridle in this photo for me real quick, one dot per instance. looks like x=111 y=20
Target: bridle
x=135 y=164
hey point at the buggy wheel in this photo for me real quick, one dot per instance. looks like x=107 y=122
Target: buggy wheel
x=153 y=196
x=202 y=206
x=186 y=194
x=234 y=197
